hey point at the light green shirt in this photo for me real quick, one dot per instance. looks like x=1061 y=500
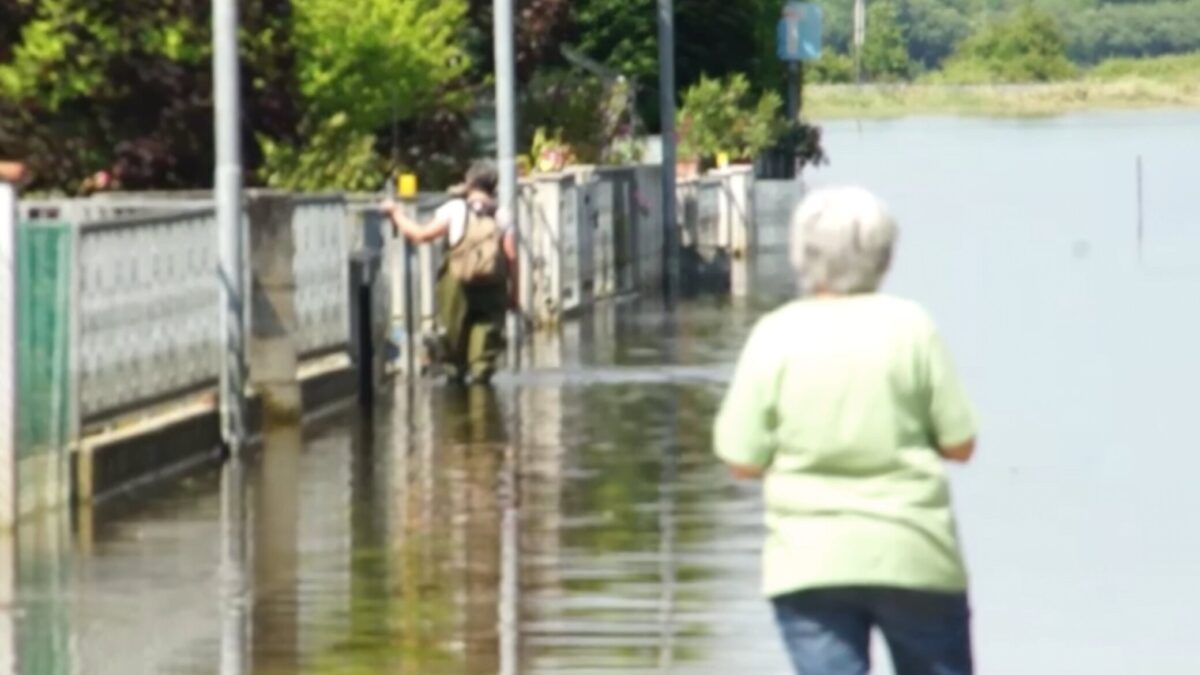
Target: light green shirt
x=844 y=401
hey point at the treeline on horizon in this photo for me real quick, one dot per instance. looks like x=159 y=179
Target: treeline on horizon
x=338 y=93
x=1093 y=30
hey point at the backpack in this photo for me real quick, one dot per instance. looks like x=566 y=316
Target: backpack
x=478 y=258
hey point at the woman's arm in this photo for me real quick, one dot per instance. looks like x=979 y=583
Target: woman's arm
x=950 y=412
x=744 y=432
x=412 y=230
x=744 y=472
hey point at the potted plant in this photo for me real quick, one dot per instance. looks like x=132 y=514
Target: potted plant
x=802 y=141
x=548 y=153
x=687 y=160
x=720 y=117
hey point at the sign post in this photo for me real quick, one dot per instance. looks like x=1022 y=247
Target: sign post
x=798 y=39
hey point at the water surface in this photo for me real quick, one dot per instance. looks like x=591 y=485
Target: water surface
x=572 y=520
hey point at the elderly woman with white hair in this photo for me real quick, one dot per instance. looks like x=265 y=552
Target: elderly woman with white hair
x=846 y=403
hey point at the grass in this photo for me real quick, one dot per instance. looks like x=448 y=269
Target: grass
x=1167 y=81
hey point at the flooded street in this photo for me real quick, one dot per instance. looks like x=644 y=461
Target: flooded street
x=572 y=519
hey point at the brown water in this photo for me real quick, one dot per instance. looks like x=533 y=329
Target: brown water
x=572 y=520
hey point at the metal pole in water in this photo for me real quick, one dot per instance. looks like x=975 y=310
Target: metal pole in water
x=509 y=611
x=232 y=576
x=506 y=151
x=1141 y=223
x=228 y=192
x=666 y=97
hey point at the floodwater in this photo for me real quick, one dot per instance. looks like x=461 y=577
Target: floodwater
x=571 y=519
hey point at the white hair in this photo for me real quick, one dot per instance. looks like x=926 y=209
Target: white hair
x=842 y=240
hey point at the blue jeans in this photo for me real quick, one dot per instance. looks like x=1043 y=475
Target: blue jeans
x=827 y=631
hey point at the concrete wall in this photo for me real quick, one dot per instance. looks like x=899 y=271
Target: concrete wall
x=774 y=201
x=718 y=227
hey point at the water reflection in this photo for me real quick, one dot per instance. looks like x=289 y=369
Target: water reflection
x=233 y=591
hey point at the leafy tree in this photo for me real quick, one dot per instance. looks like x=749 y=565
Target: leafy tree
x=576 y=109
x=712 y=38
x=542 y=27
x=307 y=165
x=885 y=50
x=933 y=28
x=837 y=25
x=722 y=115
x=126 y=86
x=1129 y=29
x=1025 y=46
x=833 y=67
x=378 y=60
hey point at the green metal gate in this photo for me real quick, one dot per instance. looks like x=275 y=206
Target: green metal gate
x=43 y=338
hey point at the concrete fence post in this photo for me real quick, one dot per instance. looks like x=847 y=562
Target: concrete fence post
x=738 y=209
x=274 y=354
x=401 y=265
x=427 y=287
x=8 y=354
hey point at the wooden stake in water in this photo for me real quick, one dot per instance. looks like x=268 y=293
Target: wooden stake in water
x=1141 y=225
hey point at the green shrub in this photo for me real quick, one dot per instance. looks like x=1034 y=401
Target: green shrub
x=831 y=68
x=336 y=157
x=1172 y=68
x=721 y=116
x=1025 y=46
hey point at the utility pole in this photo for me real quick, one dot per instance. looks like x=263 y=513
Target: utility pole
x=860 y=35
x=506 y=151
x=228 y=191
x=666 y=95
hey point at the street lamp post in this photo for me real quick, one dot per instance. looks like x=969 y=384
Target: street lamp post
x=506 y=157
x=666 y=88
x=228 y=191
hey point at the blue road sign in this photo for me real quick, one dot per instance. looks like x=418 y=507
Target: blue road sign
x=798 y=36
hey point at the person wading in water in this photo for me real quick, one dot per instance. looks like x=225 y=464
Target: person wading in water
x=474 y=285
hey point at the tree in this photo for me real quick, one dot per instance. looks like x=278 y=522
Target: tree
x=1025 y=46
x=1134 y=30
x=379 y=60
x=885 y=50
x=723 y=116
x=833 y=67
x=125 y=85
x=542 y=26
x=712 y=37
x=327 y=154
x=933 y=28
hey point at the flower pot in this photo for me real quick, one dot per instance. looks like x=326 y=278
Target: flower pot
x=687 y=169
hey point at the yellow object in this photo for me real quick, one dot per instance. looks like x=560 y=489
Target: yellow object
x=406 y=185
x=722 y=159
